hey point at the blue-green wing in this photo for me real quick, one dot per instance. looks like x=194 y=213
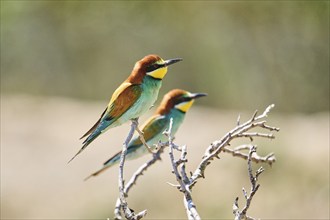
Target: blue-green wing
x=152 y=130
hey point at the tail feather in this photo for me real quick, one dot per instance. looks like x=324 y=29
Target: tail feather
x=109 y=163
x=94 y=132
x=88 y=140
x=94 y=126
x=97 y=172
x=131 y=154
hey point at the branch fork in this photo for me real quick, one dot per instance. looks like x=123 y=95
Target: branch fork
x=241 y=215
x=185 y=183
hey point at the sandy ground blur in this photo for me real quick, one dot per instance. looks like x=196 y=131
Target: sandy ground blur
x=39 y=136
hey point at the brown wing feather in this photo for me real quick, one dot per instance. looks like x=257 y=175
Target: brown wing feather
x=124 y=101
x=119 y=106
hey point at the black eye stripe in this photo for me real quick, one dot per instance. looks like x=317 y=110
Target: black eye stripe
x=183 y=99
x=152 y=67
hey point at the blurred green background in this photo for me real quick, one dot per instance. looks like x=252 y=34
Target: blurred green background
x=244 y=54
x=61 y=61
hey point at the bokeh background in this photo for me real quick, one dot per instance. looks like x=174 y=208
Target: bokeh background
x=61 y=61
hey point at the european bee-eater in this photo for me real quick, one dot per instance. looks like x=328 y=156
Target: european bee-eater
x=133 y=97
x=174 y=105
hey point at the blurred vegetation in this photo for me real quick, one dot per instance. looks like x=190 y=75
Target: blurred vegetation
x=244 y=54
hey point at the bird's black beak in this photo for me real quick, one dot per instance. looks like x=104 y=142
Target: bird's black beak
x=197 y=95
x=172 y=61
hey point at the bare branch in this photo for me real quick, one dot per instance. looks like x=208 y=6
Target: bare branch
x=241 y=215
x=239 y=131
x=238 y=122
x=236 y=152
x=265 y=113
x=256 y=134
x=254 y=116
x=129 y=214
x=214 y=149
x=182 y=179
x=136 y=175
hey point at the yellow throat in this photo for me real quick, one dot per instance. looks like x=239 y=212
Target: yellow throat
x=159 y=73
x=185 y=106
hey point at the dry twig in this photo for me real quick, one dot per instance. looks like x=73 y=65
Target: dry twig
x=236 y=152
x=241 y=215
x=182 y=178
x=135 y=176
x=215 y=148
x=241 y=130
x=129 y=214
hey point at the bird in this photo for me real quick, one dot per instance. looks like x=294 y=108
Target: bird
x=174 y=105
x=132 y=98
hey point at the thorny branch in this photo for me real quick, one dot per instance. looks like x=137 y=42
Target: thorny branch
x=182 y=178
x=241 y=215
x=241 y=130
x=136 y=175
x=236 y=152
x=215 y=148
x=129 y=214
